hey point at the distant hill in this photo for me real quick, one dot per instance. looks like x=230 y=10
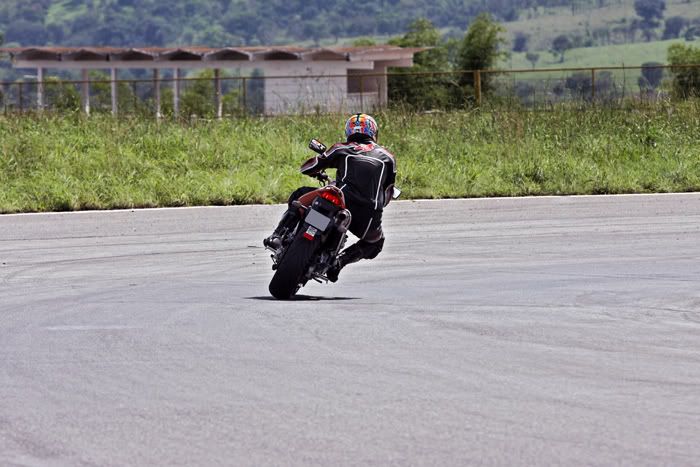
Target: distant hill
x=632 y=55
x=249 y=22
x=223 y=22
x=605 y=24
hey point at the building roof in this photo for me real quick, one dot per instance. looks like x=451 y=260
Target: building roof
x=208 y=54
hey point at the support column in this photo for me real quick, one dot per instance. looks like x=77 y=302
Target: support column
x=40 y=89
x=362 y=93
x=176 y=92
x=217 y=94
x=85 y=92
x=382 y=86
x=156 y=91
x=113 y=83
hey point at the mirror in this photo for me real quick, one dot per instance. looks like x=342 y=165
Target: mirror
x=396 y=193
x=317 y=146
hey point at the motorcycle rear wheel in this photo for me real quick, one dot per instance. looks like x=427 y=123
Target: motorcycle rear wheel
x=288 y=276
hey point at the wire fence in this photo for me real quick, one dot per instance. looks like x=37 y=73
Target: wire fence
x=234 y=96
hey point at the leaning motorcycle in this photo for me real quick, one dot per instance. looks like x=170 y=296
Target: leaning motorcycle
x=311 y=247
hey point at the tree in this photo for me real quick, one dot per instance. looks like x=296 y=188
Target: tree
x=61 y=96
x=364 y=42
x=422 y=91
x=520 y=42
x=601 y=35
x=580 y=85
x=673 y=27
x=26 y=32
x=533 y=58
x=481 y=50
x=651 y=12
x=691 y=32
x=101 y=94
x=560 y=45
x=420 y=33
x=686 y=80
x=652 y=74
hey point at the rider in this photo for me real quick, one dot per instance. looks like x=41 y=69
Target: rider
x=366 y=173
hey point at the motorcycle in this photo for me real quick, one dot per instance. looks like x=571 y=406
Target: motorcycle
x=311 y=247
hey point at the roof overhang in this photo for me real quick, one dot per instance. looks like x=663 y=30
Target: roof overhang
x=172 y=57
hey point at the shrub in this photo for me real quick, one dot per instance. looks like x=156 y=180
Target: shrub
x=686 y=80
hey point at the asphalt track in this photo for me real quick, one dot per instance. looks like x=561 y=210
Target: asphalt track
x=540 y=331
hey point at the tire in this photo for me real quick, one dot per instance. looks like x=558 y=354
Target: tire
x=288 y=276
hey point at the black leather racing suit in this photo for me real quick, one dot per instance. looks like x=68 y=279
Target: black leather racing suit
x=366 y=173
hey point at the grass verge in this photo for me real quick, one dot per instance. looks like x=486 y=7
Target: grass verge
x=58 y=163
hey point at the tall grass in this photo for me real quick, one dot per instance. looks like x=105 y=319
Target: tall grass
x=55 y=163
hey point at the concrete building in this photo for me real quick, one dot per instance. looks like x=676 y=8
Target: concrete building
x=337 y=79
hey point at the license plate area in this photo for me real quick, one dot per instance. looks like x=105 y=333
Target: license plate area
x=317 y=220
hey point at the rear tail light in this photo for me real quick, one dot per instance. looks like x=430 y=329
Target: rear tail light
x=332 y=197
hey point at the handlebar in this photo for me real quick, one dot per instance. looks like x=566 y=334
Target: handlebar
x=322 y=177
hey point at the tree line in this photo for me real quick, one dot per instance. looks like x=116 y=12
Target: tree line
x=248 y=23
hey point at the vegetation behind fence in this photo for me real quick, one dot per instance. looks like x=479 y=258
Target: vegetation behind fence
x=614 y=87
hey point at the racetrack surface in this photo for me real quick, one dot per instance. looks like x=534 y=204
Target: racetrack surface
x=529 y=331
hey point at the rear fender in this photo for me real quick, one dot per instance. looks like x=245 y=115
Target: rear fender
x=332 y=190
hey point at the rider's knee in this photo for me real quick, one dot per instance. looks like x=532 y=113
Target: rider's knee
x=370 y=250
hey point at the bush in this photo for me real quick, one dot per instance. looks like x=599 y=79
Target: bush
x=61 y=96
x=686 y=80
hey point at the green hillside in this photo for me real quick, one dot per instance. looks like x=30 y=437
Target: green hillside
x=609 y=55
x=597 y=32
x=247 y=22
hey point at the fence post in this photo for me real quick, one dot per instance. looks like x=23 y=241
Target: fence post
x=40 y=89
x=85 y=94
x=592 y=84
x=245 y=96
x=176 y=92
x=534 y=97
x=477 y=87
x=217 y=94
x=113 y=88
x=19 y=96
x=624 y=81
x=156 y=91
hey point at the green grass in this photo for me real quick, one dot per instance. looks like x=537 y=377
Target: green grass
x=588 y=57
x=545 y=24
x=632 y=55
x=50 y=163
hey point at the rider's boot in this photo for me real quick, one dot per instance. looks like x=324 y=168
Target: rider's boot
x=351 y=254
x=288 y=221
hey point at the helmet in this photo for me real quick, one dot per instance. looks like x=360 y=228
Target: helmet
x=363 y=124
